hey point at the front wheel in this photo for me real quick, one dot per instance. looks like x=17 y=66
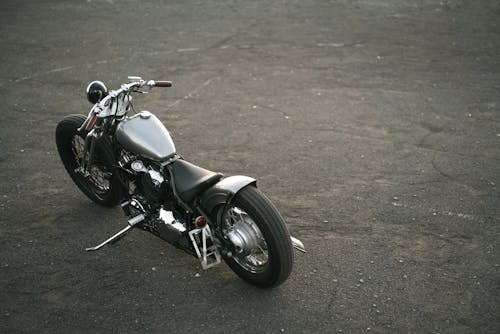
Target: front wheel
x=261 y=245
x=100 y=185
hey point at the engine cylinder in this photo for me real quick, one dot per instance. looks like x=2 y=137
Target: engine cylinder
x=156 y=189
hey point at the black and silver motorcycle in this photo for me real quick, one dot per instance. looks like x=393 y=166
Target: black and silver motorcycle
x=116 y=159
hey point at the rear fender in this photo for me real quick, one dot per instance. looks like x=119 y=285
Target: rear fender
x=223 y=191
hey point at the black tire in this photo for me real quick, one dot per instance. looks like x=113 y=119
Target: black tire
x=102 y=186
x=258 y=209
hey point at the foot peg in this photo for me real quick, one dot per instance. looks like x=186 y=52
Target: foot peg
x=131 y=223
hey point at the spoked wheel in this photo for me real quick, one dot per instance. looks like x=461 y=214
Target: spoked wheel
x=100 y=185
x=261 y=246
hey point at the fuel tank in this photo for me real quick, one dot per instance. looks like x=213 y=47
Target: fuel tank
x=145 y=135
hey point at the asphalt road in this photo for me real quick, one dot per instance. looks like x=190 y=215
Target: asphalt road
x=374 y=126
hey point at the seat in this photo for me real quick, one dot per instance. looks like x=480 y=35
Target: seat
x=190 y=180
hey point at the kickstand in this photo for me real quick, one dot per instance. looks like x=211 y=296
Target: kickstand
x=131 y=223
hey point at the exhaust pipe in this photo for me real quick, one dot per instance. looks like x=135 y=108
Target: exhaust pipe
x=298 y=245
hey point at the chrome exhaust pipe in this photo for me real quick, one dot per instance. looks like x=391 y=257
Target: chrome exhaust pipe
x=298 y=245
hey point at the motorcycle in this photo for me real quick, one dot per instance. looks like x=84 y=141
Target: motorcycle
x=131 y=161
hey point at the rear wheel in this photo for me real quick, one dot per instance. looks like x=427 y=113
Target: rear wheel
x=262 y=250
x=100 y=185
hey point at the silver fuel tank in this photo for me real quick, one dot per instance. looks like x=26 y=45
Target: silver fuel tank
x=145 y=135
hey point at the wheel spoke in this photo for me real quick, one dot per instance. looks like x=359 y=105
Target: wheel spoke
x=249 y=242
x=97 y=171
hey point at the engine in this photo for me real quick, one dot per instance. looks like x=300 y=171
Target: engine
x=152 y=184
x=153 y=195
x=155 y=188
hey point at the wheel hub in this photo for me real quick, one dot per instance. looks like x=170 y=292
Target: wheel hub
x=243 y=238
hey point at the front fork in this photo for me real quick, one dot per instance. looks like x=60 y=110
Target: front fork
x=88 y=151
x=92 y=125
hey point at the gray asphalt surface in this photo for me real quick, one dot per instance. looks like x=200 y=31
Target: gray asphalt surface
x=373 y=125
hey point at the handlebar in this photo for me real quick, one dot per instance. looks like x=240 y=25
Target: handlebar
x=118 y=99
x=162 y=83
x=134 y=84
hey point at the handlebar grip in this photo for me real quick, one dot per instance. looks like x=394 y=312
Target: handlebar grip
x=163 y=83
